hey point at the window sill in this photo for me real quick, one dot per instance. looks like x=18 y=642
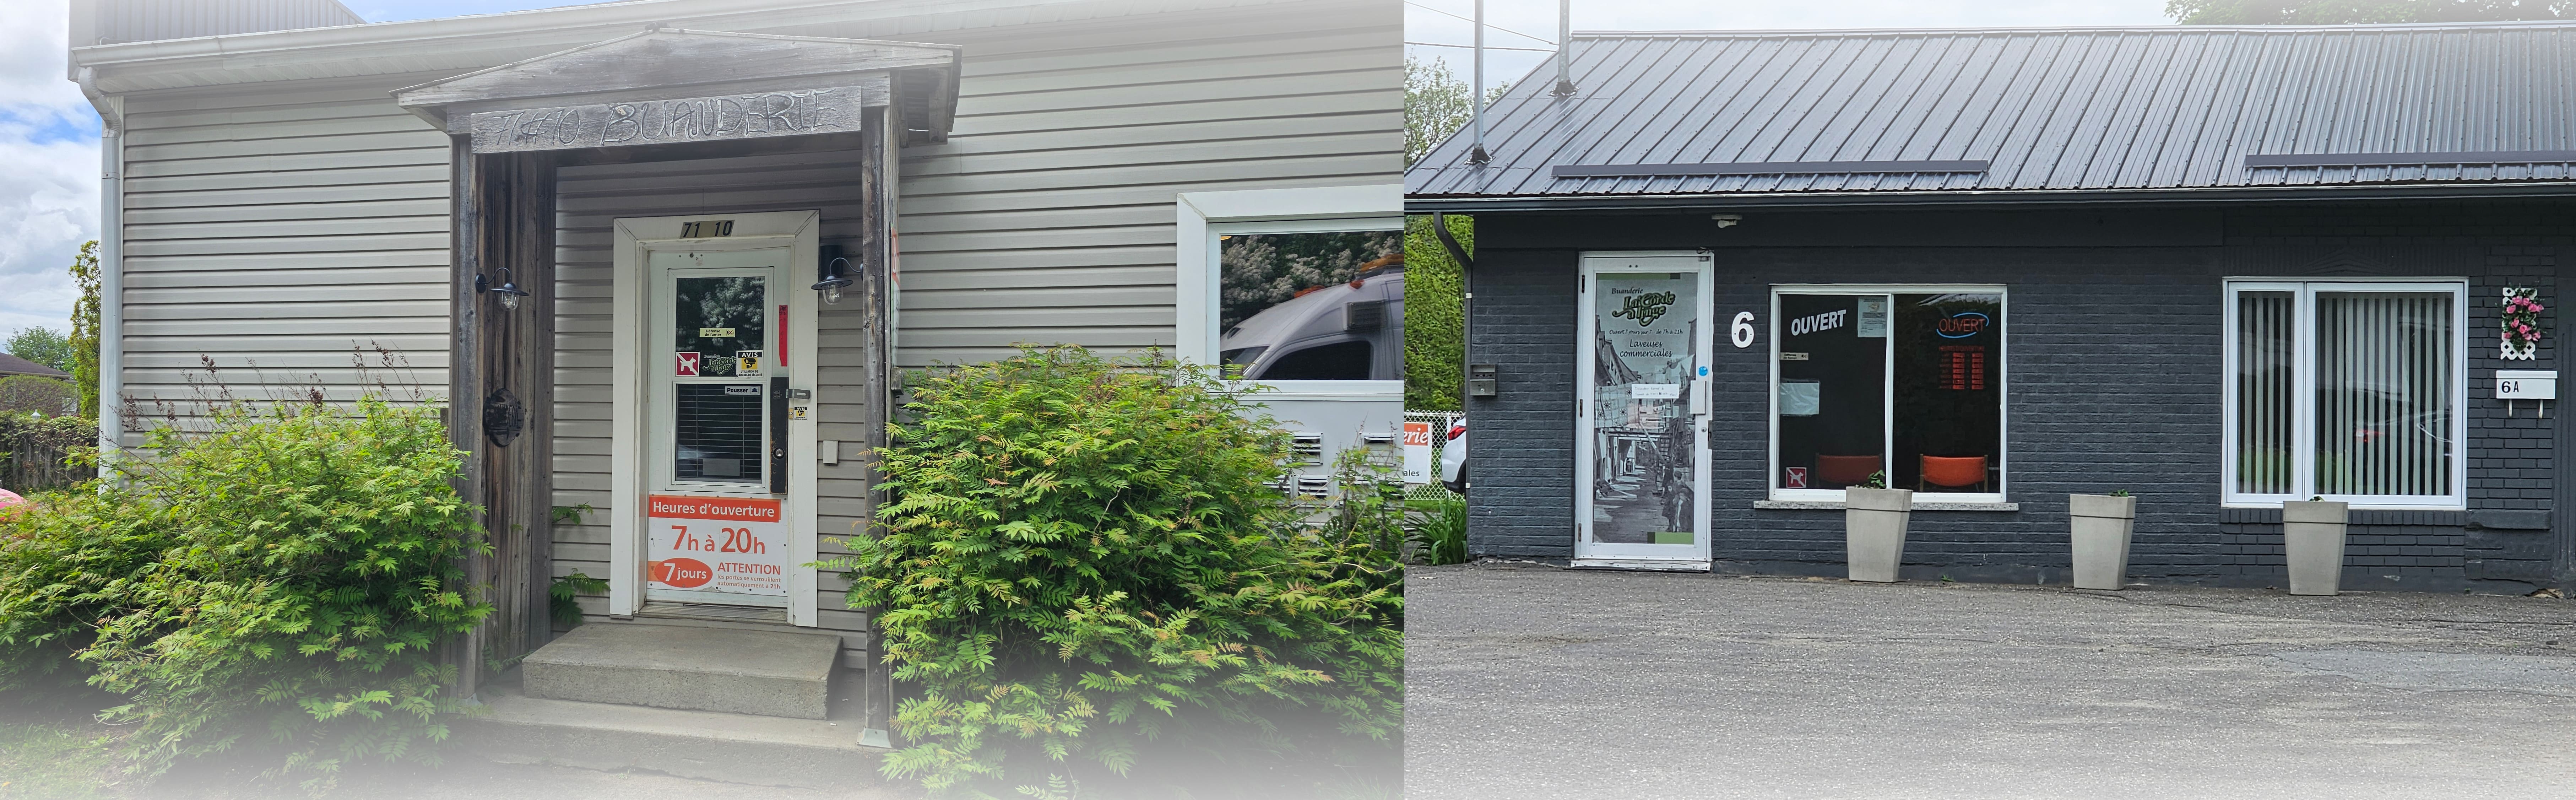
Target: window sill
x=1924 y=505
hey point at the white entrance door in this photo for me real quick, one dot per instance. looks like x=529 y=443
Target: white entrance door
x=1641 y=428
x=712 y=485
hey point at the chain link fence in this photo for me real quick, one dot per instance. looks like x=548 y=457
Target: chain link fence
x=1440 y=422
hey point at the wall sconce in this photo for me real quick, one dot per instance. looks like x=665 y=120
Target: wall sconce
x=509 y=291
x=834 y=274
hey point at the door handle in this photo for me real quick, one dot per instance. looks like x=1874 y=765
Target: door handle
x=778 y=435
x=1699 y=397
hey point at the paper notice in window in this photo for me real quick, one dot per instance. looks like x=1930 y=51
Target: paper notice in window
x=1655 y=391
x=1873 y=318
x=1800 y=398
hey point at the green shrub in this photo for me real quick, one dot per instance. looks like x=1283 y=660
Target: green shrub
x=1084 y=568
x=281 y=578
x=37 y=394
x=1440 y=531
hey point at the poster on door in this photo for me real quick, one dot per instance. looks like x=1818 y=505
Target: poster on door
x=1645 y=351
x=732 y=545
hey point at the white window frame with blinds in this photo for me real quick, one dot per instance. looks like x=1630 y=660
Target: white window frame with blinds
x=2302 y=431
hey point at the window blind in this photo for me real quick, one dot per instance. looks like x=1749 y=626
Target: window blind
x=2383 y=393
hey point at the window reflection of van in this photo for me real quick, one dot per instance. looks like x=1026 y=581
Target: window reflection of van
x=1337 y=332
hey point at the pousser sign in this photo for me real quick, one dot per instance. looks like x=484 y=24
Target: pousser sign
x=734 y=545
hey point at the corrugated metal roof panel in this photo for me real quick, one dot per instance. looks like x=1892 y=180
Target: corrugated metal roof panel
x=2048 y=109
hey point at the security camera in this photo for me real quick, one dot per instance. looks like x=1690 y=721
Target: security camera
x=1727 y=220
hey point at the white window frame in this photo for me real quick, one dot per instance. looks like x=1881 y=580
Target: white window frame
x=2303 y=389
x=1204 y=216
x=1887 y=432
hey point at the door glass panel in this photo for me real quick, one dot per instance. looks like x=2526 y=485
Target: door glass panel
x=1643 y=438
x=1833 y=390
x=719 y=428
x=721 y=321
x=1949 y=394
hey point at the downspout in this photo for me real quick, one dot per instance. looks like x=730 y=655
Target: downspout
x=1466 y=295
x=111 y=266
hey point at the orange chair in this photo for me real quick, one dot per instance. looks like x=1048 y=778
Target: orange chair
x=1845 y=470
x=1953 y=472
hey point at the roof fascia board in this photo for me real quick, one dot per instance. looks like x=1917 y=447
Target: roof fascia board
x=1469 y=205
x=934 y=55
x=448 y=102
x=556 y=28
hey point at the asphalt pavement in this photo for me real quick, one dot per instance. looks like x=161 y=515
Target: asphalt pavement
x=1527 y=681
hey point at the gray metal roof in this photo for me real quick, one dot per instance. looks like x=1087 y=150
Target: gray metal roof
x=2034 y=113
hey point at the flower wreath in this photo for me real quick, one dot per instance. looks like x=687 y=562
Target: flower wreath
x=2522 y=323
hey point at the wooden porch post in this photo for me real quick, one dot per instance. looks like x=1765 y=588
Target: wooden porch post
x=877 y=279
x=464 y=373
x=504 y=217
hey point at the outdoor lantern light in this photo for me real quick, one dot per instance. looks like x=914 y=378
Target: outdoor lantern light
x=834 y=277
x=509 y=291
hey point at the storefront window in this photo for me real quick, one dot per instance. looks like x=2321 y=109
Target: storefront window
x=1902 y=388
x=2347 y=390
x=1312 y=306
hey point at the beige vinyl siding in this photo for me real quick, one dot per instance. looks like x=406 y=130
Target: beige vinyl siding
x=273 y=230
x=1048 y=215
x=588 y=198
x=287 y=222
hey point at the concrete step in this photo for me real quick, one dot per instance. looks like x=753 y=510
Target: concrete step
x=763 y=673
x=514 y=728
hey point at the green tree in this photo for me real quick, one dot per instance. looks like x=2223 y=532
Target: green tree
x=35 y=394
x=2356 y=12
x=1435 y=105
x=42 y=345
x=85 y=331
x=1435 y=344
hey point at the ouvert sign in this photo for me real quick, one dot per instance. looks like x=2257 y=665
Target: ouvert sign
x=696 y=119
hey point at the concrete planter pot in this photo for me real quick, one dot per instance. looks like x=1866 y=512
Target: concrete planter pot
x=1874 y=532
x=2312 y=537
x=2098 y=527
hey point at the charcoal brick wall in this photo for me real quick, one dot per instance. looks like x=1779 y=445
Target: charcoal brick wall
x=2114 y=363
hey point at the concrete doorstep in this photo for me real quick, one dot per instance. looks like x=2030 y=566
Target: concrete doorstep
x=709 y=745
x=742 y=706
x=765 y=673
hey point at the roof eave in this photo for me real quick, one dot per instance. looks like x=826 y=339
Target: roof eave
x=1468 y=204
x=351 y=46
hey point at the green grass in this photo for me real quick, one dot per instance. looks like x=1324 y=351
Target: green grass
x=50 y=761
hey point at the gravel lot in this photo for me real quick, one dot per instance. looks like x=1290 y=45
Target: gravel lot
x=1529 y=681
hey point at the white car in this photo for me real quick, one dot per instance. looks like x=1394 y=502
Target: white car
x=1453 y=458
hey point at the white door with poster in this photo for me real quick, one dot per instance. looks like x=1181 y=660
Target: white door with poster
x=715 y=380
x=1641 y=428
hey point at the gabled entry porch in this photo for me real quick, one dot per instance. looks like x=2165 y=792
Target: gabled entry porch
x=671 y=296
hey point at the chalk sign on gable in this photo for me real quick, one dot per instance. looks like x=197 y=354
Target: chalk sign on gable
x=734 y=545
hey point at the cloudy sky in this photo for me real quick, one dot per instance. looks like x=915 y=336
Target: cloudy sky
x=49 y=135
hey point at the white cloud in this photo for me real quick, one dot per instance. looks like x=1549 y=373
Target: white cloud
x=49 y=190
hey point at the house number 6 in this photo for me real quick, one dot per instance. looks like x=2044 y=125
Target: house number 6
x=1742 y=330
